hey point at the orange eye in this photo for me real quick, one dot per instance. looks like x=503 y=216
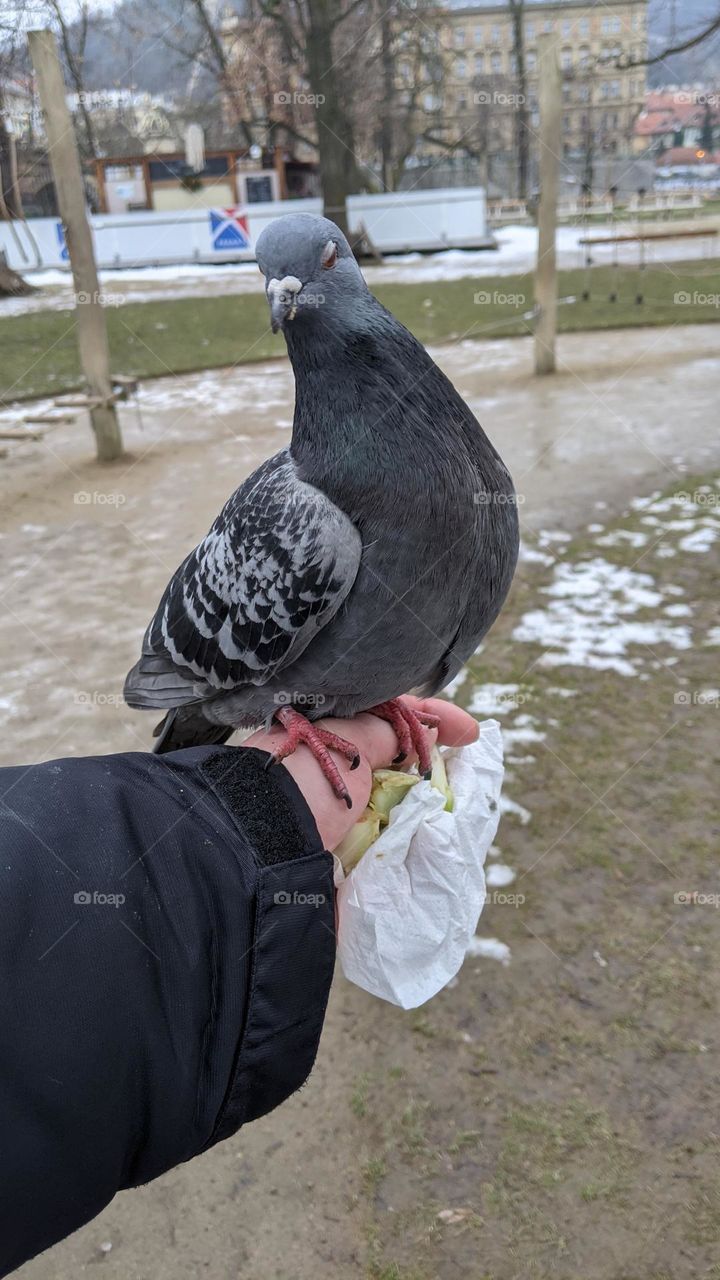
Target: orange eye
x=329 y=255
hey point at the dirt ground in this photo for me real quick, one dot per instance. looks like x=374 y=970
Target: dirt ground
x=553 y=1114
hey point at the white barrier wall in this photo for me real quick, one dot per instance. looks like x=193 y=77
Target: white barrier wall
x=396 y=223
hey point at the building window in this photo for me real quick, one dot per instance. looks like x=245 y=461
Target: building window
x=496 y=64
x=479 y=64
x=566 y=60
x=461 y=68
x=605 y=90
x=584 y=92
x=529 y=30
x=584 y=55
x=584 y=26
x=478 y=35
x=548 y=26
x=605 y=25
x=496 y=35
x=531 y=60
x=459 y=38
x=614 y=88
x=566 y=27
x=462 y=104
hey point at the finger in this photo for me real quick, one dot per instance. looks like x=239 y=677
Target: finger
x=456 y=729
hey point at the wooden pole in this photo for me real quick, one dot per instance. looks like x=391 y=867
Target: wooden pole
x=550 y=147
x=68 y=180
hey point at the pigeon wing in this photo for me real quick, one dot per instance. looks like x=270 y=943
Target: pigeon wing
x=274 y=568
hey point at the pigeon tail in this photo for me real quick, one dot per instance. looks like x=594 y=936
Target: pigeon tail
x=188 y=727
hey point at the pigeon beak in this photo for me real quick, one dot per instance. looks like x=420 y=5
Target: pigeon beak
x=282 y=296
x=279 y=310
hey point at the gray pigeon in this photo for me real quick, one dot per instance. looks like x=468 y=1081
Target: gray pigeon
x=365 y=561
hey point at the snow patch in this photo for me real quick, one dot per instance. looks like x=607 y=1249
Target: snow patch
x=511 y=806
x=588 y=624
x=700 y=539
x=490 y=949
x=497 y=875
x=496 y=699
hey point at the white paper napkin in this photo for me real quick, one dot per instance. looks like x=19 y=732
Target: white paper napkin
x=410 y=907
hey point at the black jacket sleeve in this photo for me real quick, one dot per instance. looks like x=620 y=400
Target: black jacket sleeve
x=167 y=942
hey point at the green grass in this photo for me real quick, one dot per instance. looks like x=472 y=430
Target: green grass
x=39 y=350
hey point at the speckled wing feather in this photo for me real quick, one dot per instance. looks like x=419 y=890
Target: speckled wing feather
x=274 y=568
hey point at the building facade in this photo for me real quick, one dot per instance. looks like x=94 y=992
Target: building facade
x=475 y=103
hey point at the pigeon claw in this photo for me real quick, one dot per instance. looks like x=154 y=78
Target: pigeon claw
x=320 y=742
x=410 y=729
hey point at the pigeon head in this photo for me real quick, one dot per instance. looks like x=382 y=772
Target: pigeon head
x=308 y=266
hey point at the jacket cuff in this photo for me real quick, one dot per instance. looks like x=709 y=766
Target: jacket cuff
x=293 y=949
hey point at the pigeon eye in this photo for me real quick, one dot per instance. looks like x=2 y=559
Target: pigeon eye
x=329 y=255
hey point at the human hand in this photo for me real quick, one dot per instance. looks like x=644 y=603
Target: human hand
x=377 y=746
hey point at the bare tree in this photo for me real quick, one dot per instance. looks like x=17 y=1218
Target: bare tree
x=710 y=28
x=11 y=283
x=522 y=139
x=73 y=42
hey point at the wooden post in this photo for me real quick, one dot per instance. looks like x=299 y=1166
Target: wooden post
x=100 y=183
x=68 y=180
x=550 y=146
x=279 y=163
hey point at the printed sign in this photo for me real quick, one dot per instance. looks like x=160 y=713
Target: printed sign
x=229 y=229
x=60 y=232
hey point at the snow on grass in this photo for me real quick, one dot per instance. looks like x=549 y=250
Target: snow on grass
x=700 y=539
x=677 y=611
x=508 y=806
x=623 y=537
x=532 y=556
x=524 y=729
x=496 y=699
x=589 y=621
x=547 y=537
x=456 y=683
x=498 y=875
x=488 y=948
